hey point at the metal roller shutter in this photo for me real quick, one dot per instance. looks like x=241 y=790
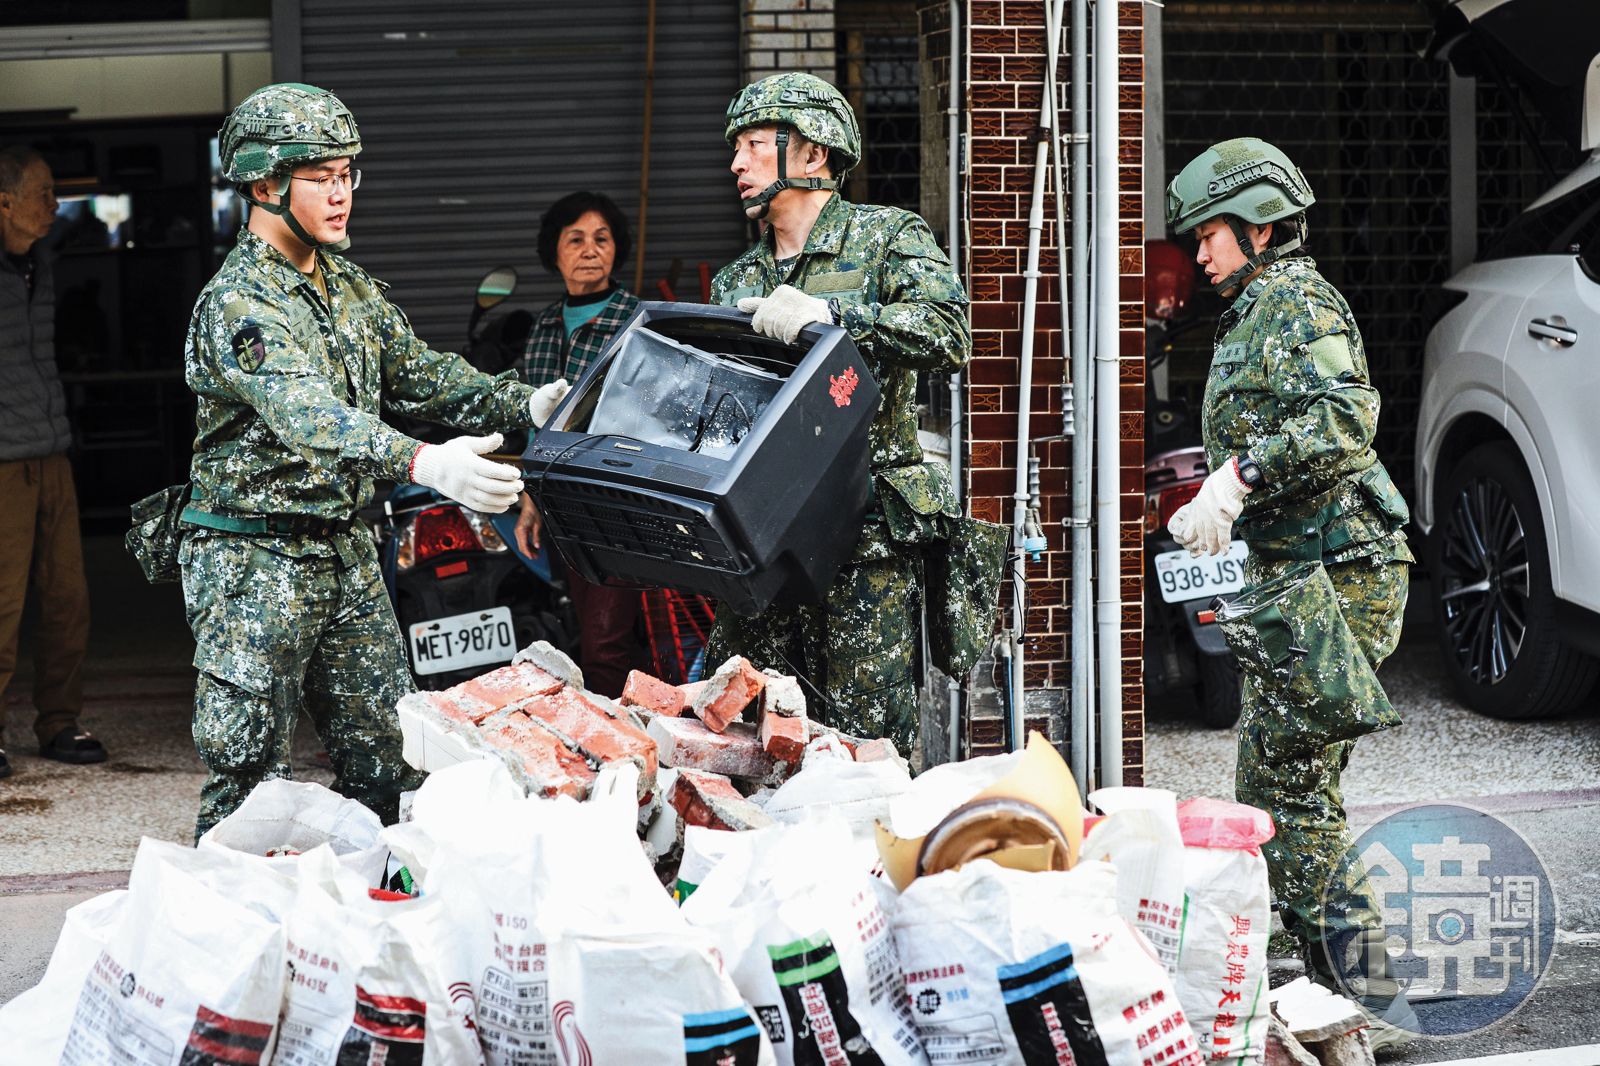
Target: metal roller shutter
x=475 y=118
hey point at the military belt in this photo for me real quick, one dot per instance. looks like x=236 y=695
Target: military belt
x=289 y=525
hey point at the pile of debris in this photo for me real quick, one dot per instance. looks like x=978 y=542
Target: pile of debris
x=703 y=749
x=826 y=906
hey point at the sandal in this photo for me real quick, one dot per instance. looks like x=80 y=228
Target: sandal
x=73 y=745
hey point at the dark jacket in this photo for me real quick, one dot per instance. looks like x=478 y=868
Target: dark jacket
x=33 y=409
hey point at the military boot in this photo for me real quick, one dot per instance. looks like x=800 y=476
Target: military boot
x=1365 y=980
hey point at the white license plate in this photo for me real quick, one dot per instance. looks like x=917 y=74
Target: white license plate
x=1182 y=576
x=463 y=640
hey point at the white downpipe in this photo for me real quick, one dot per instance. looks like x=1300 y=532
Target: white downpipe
x=953 y=238
x=1081 y=340
x=1020 y=495
x=1108 y=481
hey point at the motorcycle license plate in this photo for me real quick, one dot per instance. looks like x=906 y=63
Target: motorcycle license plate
x=463 y=640
x=1182 y=576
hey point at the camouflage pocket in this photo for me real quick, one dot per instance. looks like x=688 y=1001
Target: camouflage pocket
x=157 y=533
x=963 y=581
x=1316 y=686
x=1380 y=490
x=917 y=502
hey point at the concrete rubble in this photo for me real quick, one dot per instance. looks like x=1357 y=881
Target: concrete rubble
x=703 y=749
x=1311 y=1024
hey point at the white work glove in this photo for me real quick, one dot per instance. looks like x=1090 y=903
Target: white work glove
x=785 y=313
x=1215 y=506
x=458 y=469
x=543 y=403
x=1181 y=526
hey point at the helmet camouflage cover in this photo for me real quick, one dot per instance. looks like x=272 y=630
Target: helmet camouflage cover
x=1245 y=177
x=282 y=126
x=815 y=109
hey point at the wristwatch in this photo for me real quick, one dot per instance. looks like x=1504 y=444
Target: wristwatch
x=1249 y=471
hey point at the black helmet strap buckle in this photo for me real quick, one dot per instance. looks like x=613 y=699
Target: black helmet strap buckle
x=763 y=199
x=281 y=209
x=1254 y=260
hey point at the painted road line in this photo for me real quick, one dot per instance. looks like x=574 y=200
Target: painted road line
x=1578 y=1055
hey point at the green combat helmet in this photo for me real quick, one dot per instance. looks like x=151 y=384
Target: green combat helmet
x=1242 y=180
x=280 y=127
x=813 y=109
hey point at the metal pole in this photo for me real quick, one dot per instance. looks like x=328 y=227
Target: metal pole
x=1108 y=510
x=953 y=239
x=1082 y=694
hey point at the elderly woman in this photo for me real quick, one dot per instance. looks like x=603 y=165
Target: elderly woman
x=584 y=238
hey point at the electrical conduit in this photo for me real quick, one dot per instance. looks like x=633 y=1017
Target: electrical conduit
x=1108 y=482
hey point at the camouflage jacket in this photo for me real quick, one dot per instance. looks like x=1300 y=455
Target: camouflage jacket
x=1289 y=387
x=902 y=305
x=551 y=354
x=290 y=389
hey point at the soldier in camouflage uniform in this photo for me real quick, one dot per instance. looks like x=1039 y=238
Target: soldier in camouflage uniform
x=1288 y=419
x=877 y=272
x=293 y=353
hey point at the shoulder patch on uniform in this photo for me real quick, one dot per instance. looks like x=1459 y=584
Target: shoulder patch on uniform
x=1330 y=354
x=249 y=349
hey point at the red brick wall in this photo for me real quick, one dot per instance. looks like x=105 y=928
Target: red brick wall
x=1007 y=49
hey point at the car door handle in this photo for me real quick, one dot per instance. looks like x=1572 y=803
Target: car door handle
x=1546 y=330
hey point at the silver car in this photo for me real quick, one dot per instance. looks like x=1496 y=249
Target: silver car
x=1508 y=460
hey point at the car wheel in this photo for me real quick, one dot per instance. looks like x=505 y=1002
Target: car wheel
x=1217 y=692
x=1492 y=597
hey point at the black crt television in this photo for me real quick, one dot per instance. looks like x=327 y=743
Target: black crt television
x=749 y=486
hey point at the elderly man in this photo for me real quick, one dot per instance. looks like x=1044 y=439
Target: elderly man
x=39 y=542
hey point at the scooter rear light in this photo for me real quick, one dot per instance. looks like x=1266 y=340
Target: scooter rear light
x=439 y=531
x=489 y=538
x=1160 y=506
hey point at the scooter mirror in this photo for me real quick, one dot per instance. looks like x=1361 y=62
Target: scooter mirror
x=496 y=286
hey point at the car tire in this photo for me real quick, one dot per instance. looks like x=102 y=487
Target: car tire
x=1492 y=596
x=1217 y=692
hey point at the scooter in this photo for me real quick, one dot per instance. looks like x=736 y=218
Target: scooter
x=465 y=595
x=1183 y=648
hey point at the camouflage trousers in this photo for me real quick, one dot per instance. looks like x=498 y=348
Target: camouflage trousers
x=855 y=653
x=1318 y=881
x=275 y=633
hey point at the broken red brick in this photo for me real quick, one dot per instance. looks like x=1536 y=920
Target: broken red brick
x=686 y=742
x=710 y=800
x=815 y=729
x=550 y=766
x=652 y=695
x=782 y=695
x=595 y=730
x=505 y=686
x=460 y=708
x=783 y=738
x=553 y=661
x=727 y=693
x=880 y=750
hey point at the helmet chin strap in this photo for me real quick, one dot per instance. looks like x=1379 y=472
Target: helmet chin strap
x=762 y=200
x=281 y=209
x=1254 y=260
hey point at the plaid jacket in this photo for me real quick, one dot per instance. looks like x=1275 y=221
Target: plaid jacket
x=549 y=355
